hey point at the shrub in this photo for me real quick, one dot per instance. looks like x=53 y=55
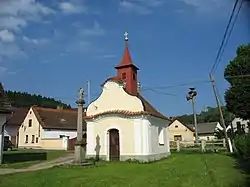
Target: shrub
x=242 y=143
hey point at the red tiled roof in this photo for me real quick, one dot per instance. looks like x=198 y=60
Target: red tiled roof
x=18 y=116
x=65 y=119
x=148 y=108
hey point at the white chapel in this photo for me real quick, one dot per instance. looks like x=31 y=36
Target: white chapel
x=121 y=124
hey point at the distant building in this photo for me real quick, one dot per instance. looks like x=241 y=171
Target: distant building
x=207 y=131
x=240 y=124
x=180 y=131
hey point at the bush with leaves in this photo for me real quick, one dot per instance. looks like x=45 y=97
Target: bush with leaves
x=242 y=143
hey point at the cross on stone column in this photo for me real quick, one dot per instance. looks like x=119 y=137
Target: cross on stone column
x=79 y=145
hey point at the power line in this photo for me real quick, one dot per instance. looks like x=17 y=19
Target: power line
x=159 y=92
x=215 y=64
x=178 y=85
x=229 y=35
x=230 y=31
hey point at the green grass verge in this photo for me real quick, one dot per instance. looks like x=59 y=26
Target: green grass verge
x=179 y=170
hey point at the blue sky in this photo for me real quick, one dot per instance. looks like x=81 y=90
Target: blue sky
x=53 y=47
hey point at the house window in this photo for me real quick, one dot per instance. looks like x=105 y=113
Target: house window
x=177 y=137
x=133 y=76
x=26 y=139
x=176 y=126
x=30 y=122
x=36 y=139
x=123 y=75
x=161 y=136
x=208 y=138
x=30 y=112
x=33 y=139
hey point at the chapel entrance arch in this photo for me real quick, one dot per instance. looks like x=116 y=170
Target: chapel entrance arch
x=114 y=145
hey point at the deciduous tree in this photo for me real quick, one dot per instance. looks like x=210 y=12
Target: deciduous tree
x=237 y=73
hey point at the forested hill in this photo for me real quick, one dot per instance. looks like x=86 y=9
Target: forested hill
x=209 y=115
x=23 y=99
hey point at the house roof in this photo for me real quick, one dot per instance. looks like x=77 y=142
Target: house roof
x=65 y=119
x=148 y=108
x=205 y=128
x=18 y=116
x=188 y=126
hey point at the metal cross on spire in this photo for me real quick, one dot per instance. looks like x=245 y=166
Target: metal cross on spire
x=126 y=36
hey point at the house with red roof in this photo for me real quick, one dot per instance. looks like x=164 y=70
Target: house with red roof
x=121 y=123
x=48 y=128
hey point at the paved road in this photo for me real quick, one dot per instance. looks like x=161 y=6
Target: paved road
x=44 y=165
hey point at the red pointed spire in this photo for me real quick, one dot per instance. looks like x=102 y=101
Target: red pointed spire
x=127 y=71
x=126 y=59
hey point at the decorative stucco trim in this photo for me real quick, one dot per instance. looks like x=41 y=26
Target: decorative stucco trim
x=90 y=138
x=145 y=137
x=138 y=116
x=138 y=136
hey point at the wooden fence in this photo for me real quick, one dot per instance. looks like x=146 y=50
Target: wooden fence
x=202 y=145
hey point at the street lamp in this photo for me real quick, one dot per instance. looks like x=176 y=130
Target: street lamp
x=191 y=96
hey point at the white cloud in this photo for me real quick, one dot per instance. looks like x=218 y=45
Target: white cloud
x=3 y=70
x=107 y=56
x=6 y=36
x=206 y=6
x=11 y=50
x=71 y=8
x=139 y=6
x=96 y=30
x=35 y=41
x=14 y=16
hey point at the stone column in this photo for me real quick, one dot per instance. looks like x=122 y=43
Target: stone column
x=79 y=145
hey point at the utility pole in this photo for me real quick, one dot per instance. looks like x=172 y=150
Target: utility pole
x=89 y=98
x=191 y=96
x=79 y=145
x=219 y=108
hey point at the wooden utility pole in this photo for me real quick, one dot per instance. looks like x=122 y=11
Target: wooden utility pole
x=219 y=108
x=191 y=96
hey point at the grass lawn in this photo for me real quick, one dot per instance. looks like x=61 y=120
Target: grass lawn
x=50 y=155
x=179 y=170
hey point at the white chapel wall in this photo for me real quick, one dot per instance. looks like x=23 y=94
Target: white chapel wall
x=155 y=125
x=114 y=97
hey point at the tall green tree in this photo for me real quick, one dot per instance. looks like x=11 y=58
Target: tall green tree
x=237 y=73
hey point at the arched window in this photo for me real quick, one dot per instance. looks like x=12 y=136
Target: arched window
x=161 y=135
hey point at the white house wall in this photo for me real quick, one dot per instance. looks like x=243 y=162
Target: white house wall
x=53 y=134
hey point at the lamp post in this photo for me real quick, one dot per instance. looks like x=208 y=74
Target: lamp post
x=191 y=96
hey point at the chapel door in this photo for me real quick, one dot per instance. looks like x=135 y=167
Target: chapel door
x=114 y=145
